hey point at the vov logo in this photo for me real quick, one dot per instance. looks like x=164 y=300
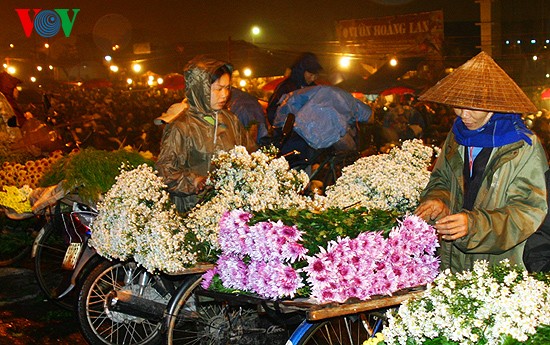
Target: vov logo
x=47 y=23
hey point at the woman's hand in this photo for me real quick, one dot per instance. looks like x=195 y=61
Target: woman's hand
x=199 y=183
x=452 y=227
x=432 y=209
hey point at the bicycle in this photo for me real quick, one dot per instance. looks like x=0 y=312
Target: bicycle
x=198 y=316
x=122 y=303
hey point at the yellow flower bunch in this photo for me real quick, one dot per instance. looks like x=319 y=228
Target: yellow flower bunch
x=16 y=198
x=378 y=338
x=29 y=173
x=144 y=154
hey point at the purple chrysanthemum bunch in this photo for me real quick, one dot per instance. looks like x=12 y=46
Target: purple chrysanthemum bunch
x=258 y=258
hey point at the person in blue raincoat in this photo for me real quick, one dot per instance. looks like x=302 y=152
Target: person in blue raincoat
x=250 y=113
x=303 y=73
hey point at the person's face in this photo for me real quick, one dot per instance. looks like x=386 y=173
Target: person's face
x=219 y=92
x=309 y=77
x=473 y=119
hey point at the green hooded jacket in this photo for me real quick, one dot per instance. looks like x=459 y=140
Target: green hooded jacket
x=510 y=205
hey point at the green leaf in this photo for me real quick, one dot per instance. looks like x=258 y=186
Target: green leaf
x=91 y=172
x=319 y=228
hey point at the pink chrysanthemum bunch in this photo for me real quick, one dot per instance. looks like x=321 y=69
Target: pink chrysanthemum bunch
x=372 y=265
x=258 y=258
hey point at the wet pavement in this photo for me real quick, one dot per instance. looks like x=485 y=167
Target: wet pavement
x=17 y=285
x=26 y=317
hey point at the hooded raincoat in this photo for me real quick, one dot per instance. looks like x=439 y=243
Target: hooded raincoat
x=190 y=141
x=306 y=62
x=509 y=207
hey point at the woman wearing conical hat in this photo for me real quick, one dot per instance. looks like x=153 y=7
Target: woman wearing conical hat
x=487 y=191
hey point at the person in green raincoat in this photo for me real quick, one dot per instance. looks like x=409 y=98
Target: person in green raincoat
x=486 y=195
x=201 y=128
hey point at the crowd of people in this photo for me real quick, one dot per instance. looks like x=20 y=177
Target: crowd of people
x=108 y=118
x=487 y=193
x=68 y=117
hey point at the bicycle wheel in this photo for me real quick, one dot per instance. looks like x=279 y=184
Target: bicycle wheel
x=51 y=247
x=181 y=328
x=16 y=238
x=199 y=319
x=101 y=325
x=346 y=330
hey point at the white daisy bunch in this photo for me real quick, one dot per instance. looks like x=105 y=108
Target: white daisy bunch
x=137 y=220
x=251 y=182
x=488 y=305
x=391 y=181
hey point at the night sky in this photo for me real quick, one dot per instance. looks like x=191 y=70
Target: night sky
x=282 y=21
x=287 y=25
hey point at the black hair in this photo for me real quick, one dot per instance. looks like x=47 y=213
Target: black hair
x=223 y=69
x=308 y=62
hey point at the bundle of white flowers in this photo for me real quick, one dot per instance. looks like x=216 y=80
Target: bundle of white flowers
x=249 y=181
x=488 y=305
x=137 y=220
x=391 y=181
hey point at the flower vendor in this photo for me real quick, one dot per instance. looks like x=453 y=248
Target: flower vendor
x=487 y=191
x=201 y=129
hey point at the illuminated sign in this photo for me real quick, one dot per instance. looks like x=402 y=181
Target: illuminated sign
x=416 y=33
x=47 y=23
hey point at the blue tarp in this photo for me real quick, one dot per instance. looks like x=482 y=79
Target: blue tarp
x=323 y=113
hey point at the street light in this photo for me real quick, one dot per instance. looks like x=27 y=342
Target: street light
x=255 y=32
x=345 y=61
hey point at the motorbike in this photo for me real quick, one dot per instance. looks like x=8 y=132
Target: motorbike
x=59 y=246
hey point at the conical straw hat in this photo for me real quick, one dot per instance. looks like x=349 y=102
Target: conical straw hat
x=480 y=84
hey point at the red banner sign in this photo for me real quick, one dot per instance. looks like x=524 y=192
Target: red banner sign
x=412 y=34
